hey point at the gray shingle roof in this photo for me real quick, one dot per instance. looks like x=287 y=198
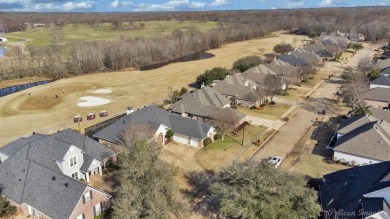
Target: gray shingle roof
x=239 y=85
x=319 y=50
x=178 y=124
x=385 y=71
x=18 y=144
x=312 y=58
x=382 y=80
x=294 y=60
x=206 y=96
x=382 y=64
x=25 y=181
x=344 y=189
x=379 y=94
x=370 y=140
x=380 y=114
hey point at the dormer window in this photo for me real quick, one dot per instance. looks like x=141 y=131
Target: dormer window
x=73 y=161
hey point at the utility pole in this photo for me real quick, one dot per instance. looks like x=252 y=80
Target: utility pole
x=243 y=135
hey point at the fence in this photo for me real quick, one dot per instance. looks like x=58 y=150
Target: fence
x=13 y=89
x=91 y=130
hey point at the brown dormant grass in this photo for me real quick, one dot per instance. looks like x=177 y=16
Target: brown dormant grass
x=19 y=117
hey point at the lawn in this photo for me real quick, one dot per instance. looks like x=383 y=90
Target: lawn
x=312 y=165
x=269 y=112
x=129 y=88
x=220 y=153
x=43 y=36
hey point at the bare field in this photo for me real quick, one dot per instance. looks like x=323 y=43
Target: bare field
x=129 y=88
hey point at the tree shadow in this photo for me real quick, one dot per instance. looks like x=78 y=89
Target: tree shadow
x=200 y=195
x=323 y=134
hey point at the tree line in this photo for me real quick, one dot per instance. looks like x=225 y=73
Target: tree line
x=370 y=21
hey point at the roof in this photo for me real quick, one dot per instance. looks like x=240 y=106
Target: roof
x=370 y=140
x=26 y=181
x=382 y=64
x=341 y=40
x=382 y=80
x=260 y=69
x=380 y=114
x=57 y=145
x=259 y=73
x=18 y=144
x=375 y=205
x=155 y=115
x=240 y=86
x=379 y=94
x=385 y=71
x=294 y=60
x=206 y=96
x=276 y=61
x=312 y=58
x=344 y=189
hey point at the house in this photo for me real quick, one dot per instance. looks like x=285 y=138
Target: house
x=378 y=97
x=40 y=175
x=259 y=73
x=3 y=39
x=203 y=104
x=282 y=68
x=382 y=64
x=357 y=193
x=186 y=130
x=240 y=90
x=381 y=81
x=364 y=139
x=385 y=55
x=294 y=60
x=310 y=57
x=355 y=37
x=341 y=40
x=320 y=51
x=386 y=71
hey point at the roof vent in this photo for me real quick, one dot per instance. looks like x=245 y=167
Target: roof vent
x=33 y=133
x=53 y=178
x=380 y=142
x=124 y=122
x=66 y=184
x=20 y=180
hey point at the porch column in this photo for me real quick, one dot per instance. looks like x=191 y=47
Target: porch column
x=100 y=170
x=87 y=176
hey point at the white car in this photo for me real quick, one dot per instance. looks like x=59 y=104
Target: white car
x=276 y=161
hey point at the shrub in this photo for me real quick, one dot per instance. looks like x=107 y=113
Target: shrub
x=374 y=74
x=272 y=103
x=217 y=136
x=169 y=134
x=246 y=63
x=282 y=48
x=10 y=210
x=207 y=141
x=82 y=180
x=252 y=107
x=217 y=73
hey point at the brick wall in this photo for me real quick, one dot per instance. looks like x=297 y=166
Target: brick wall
x=88 y=208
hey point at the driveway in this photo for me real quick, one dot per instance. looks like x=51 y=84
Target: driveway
x=264 y=122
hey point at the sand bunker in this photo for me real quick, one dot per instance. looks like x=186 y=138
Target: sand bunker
x=92 y=101
x=102 y=91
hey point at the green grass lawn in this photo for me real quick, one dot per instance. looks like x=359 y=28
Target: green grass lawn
x=269 y=112
x=220 y=153
x=43 y=36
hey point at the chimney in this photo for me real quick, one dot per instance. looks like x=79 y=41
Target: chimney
x=129 y=110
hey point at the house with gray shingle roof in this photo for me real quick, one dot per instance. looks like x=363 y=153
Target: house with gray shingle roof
x=259 y=73
x=310 y=57
x=186 y=130
x=381 y=81
x=382 y=64
x=203 y=104
x=40 y=175
x=363 y=139
x=241 y=90
x=378 y=97
x=357 y=193
x=320 y=51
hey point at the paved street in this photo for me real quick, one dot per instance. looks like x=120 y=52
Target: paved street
x=322 y=98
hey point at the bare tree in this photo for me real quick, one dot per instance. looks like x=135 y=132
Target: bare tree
x=261 y=50
x=272 y=85
x=225 y=119
x=365 y=65
x=355 y=90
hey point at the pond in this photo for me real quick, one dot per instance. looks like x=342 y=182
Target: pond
x=2 y=51
x=186 y=58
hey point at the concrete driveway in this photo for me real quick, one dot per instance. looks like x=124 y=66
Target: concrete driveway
x=264 y=122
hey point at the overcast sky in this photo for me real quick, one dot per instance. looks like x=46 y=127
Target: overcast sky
x=174 y=5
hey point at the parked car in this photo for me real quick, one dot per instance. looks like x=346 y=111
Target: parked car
x=276 y=161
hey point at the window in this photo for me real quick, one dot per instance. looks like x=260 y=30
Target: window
x=75 y=175
x=87 y=197
x=73 y=161
x=97 y=209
